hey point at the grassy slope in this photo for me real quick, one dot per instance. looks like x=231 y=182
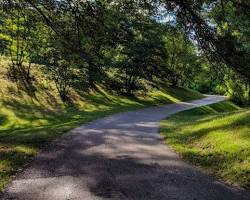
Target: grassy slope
x=28 y=124
x=216 y=137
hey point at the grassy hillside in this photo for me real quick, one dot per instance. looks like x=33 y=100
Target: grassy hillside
x=28 y=124
x=216 y=137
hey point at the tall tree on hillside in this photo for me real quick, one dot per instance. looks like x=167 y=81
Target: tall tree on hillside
x=183 y=61
x=142 y=57
x=18 y=34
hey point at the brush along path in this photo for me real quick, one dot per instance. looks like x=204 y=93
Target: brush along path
x=119 y=157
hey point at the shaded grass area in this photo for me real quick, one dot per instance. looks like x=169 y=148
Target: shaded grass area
x=215 y=137
x=29 y=123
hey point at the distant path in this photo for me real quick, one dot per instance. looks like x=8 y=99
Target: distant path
x=119 y=157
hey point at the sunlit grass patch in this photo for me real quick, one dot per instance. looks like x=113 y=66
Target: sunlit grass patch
x=216 y=137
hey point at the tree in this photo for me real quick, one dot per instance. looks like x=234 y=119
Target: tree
x=18 y=33
x=128 y=41
x=183 y=59
x=142 y=57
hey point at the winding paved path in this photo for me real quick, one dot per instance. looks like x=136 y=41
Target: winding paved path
x=119 y=157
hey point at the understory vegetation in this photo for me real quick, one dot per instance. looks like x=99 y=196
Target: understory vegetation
x=215 y=137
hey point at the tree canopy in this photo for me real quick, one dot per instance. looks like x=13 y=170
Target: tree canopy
x=82 y=42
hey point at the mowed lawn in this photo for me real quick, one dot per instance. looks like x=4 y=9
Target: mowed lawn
x=215 y=137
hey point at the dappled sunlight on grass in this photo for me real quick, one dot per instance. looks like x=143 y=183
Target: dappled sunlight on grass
x=216 y=137
x=173 y=95
x=28 y=123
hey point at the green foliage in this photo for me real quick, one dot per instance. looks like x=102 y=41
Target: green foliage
x=224 y=82
x=183 y=61
x=17 y=35
x=207 y=79
x=238 y=91
x=142 y=57
x=129 y=43
x=215 y=137
x=232 y=21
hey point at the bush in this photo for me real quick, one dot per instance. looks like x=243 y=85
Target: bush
x=238 y=92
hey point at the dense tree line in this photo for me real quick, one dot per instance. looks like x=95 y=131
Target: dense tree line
x=123 y=44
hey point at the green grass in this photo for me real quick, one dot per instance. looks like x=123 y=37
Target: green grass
x=28 y=124
x=215 y=137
